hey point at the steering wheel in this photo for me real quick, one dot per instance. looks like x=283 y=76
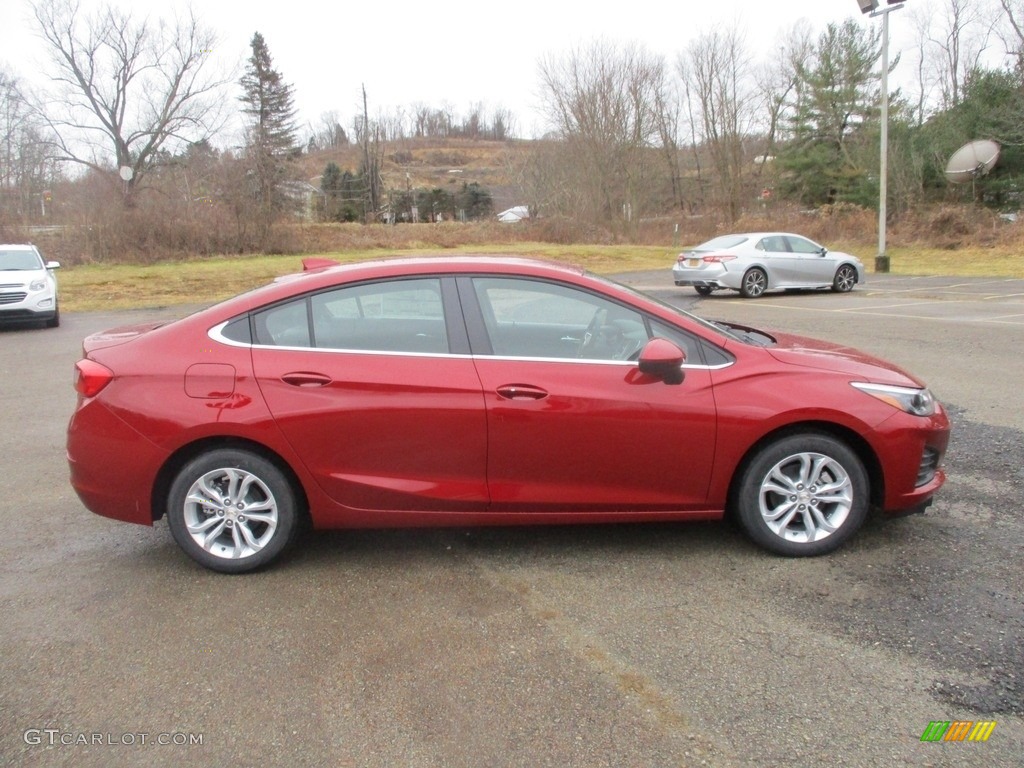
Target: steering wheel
x=593 y=329
x=630 y=350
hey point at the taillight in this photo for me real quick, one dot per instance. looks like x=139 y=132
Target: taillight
x=91 y=377
x=717 y=259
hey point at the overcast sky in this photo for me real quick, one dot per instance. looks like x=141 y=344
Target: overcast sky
x=453 y=52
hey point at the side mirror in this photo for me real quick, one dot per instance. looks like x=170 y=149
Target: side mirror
x=53 y=265
x=823 y=251
x=663 y=360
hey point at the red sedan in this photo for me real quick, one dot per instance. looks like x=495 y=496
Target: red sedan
x=478 y=391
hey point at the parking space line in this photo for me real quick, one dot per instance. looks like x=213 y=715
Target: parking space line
x=1000 y=320
x=917 y=303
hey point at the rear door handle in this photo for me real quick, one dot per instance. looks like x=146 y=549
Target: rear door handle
x=306 y=379
x=521 y=392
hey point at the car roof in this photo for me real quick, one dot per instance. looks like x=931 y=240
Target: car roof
x=381 y=268
x=413 y=265
x=454 y=264
x=770 y=234
x=18 y=247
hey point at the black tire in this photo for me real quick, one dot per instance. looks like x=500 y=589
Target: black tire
x=54 y=321
x=755 y=282
x=223 y=537
x=845 y=279
x=703 y=290
x=797 y=522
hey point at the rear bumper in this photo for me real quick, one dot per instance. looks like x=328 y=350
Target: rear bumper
x=709 y=276
x=112 y=465
x=699 y=283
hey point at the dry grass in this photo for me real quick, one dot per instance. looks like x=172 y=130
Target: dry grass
x=123 y=286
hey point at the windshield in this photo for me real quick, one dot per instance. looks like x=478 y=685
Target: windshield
x=19 y=260
x=720 y=329
x=725 y=241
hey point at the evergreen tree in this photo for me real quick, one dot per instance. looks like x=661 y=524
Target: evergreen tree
x=474 y=202
x=837 y=96
x=268 y=103
x=343 y=194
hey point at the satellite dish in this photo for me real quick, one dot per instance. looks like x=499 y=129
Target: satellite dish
x=972 y=160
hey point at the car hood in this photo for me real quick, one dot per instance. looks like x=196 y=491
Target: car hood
x=114 y=336
x=826 y=356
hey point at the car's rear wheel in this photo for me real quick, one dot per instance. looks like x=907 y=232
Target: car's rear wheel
x=755 y=282
x=803 y=495
x=703 y=290
x=231 y=510
x=845 y=279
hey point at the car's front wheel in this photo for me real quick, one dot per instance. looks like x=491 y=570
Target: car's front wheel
x=755 y=282
x=54 y=321
x=232 y=510
x=845 y=279
x=803 y=495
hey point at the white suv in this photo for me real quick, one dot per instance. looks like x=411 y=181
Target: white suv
x=28 y=288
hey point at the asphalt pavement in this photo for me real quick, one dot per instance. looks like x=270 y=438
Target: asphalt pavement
x=634 y=645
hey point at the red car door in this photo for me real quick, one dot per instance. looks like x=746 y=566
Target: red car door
x=574 y=427
x=380 y=410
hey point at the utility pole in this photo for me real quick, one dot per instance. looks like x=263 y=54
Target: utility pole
x=871 y=8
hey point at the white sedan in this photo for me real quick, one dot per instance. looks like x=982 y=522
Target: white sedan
x=755 y=262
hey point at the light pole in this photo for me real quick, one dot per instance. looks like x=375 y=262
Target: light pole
x=871 y=8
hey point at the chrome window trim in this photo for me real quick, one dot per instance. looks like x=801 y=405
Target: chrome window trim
x=216 y=334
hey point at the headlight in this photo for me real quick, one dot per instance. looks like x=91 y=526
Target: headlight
x=918 y=402
x=37 y=285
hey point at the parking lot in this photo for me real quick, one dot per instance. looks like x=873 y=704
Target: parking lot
x=657 y=645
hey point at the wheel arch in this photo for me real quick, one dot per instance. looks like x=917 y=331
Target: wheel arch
x=760 y=267
x=174 y=463
x=856 y=443
x=769 y=284
x=851 y=265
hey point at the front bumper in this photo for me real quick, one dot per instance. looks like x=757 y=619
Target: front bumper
x=18 y=304
x=911 y=454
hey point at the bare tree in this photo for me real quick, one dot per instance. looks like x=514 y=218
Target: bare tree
x=1013 y=30
x=603 y=102
x=503 y=124
x=953 y=37
x=718 y=82
x=26 y=167
x=126 y=91
x=328 y=134
x=777 y=82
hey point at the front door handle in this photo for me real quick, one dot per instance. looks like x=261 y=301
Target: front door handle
x=306 y=379
x=521 y=392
